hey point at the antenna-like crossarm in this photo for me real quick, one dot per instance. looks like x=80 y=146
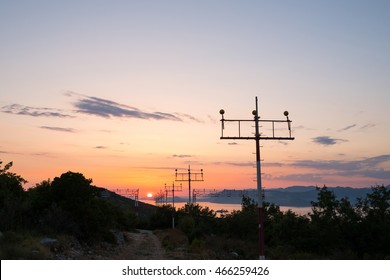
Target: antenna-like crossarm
x=189 y=176
x=257 y=137
x=129 y=193
x=272 y=123
x=160 y=197
x=172 y=189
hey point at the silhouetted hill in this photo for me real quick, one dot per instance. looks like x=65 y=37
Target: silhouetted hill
x=143 y=210
x=295 y=196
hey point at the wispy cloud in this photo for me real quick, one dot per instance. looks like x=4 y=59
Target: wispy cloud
x=172 y=168
x=212 y=119
x=327 y=140
x=305 y=177
x=182 y=156
x=61 y=129
x=347 y=127
x=248 y=163
x=95 y=106
x=342 y=165
x=379 y=174
x=301 y=127
x=18 y=109
x=284 y=143
x=232 y=143
x=192 y=118
x=321 y=171
x=100 y=147
x=109 y=109
x=40 y=154
x=369 y=125
x=368 y=167
x=233 y=163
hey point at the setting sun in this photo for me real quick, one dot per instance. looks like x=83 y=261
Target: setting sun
x=149 y=195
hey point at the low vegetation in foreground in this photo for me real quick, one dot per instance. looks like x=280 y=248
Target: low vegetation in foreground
x=68 y=218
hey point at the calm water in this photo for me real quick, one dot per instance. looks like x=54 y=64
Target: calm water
x=232 y=207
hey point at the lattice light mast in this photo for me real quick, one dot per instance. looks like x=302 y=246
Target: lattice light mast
x=257 y=139
x=189 y=177
x=129 y=193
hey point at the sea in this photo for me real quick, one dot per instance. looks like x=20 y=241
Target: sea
x=231 y=207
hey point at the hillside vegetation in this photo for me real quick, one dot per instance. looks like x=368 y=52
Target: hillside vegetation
x=69 y=218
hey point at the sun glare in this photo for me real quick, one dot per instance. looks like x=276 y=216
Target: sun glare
x=149 y=195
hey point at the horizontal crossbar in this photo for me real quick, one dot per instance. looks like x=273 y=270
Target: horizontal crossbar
x=254 y=138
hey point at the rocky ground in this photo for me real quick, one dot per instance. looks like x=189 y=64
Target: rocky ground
x=139 y=245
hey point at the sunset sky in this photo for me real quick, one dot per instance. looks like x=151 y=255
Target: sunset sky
x=125 y=92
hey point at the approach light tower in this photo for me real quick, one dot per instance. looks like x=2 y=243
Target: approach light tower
x=172 y=189
x=257 y=137
x=189 y=177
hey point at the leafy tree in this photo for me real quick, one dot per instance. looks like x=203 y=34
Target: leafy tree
x=73 y=189
x=11 y=183
x=12 y=199
x=71 y=204
x=325 y=220
x=199 y=221
x=162 y=218
x=248 y=204
x=376 y=205
x=375 y=224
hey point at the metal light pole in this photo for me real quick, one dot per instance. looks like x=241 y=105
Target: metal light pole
x=189 y=177
x=257 y=138
x=172 y=189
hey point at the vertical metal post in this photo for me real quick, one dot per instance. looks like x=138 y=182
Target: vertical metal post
x=172 y=189
x=258 y=137
x=259 y=186
x=189 y=184
x=187 y=177
x=173 y=205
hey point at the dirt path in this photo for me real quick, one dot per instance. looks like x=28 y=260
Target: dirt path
x=142 y=245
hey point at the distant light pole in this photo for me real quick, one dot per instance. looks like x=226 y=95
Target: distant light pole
x=172 y=189
x=257 y=138
x=129 y=193
x=189 y=177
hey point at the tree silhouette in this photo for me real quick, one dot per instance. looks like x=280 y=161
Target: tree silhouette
x=12 y=198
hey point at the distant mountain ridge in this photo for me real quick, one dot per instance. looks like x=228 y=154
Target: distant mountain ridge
x=294 y=196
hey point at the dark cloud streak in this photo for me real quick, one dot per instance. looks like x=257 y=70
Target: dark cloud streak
x=97 y=107
x=327 y=140
x=182 y=156
x=61 y=129
x=18 y=109
x=108 y=109
x=347 y=127
x=369 y=125
x=306 y=177
x=367 y=163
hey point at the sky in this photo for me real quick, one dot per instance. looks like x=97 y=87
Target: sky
x=126 y=92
